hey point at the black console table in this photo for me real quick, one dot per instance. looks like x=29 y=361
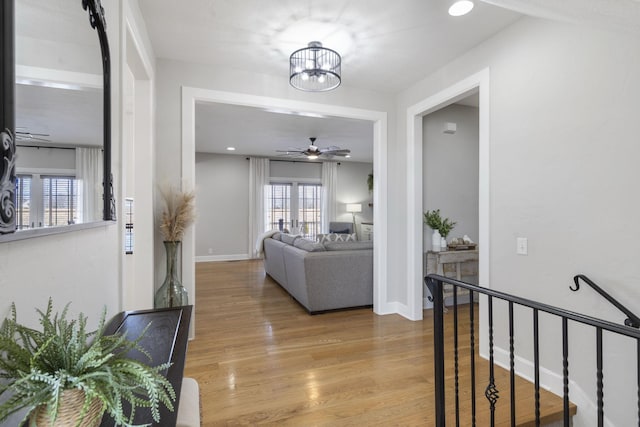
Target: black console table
x=166 y=341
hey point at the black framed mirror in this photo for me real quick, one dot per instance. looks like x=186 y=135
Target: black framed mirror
x=44 y=101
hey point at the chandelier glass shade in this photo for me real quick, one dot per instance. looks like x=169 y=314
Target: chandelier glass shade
x=315 y=68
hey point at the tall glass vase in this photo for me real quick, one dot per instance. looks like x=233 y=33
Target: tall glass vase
x=171 y=293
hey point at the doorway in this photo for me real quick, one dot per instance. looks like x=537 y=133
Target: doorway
x=415 y=230
x=379 y=119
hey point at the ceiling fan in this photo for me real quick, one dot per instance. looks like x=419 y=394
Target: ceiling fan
x=313 y=152
x=23 y=134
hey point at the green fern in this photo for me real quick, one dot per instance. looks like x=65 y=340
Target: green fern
x=435 y=222
x=37 y=366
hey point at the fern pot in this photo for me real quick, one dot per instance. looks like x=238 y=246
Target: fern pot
x=171 y=293
x=70 y=412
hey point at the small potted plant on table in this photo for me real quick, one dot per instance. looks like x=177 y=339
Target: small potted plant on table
x=441 y=229
x=66 y=376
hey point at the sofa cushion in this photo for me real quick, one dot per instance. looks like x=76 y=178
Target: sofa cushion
x=308 y=245
x=277 y=235
x=348 y=246
x=334 y=237
x=288 y=238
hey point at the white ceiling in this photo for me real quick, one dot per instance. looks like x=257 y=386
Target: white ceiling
x=386 y=47
x=253 y=131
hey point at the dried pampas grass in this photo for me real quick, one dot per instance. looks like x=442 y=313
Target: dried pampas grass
x=178 y=214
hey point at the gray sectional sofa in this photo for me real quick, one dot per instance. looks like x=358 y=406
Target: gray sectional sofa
x=321 y=277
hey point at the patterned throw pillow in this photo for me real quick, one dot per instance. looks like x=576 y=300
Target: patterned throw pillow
x=335 y=237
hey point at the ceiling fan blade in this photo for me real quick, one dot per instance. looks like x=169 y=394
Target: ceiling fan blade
x=345 y=151
x=290 y=151
x=26 y=136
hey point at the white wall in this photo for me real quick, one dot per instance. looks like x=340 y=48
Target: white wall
x=223 y=210
x=450 y=170
x=563 y=154
x=222 y=196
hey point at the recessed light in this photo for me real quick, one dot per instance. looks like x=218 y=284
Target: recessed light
x=231 y=148
x=460 y=8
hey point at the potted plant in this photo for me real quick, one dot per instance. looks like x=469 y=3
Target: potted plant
x=441 y=227
x=65 y=376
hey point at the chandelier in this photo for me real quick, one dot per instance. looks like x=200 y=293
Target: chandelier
x=315 y=68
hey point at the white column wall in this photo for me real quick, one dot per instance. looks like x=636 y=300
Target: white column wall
x=563 y=153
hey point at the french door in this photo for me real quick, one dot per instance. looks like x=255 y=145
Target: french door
x=294 y=206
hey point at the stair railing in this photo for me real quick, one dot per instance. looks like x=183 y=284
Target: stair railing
x=631 y=320
x=435 y=284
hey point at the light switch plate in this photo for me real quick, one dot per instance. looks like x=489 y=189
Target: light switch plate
x=522 y=246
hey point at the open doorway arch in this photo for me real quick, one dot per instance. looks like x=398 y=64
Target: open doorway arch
x=415 y=227
x=192 y=95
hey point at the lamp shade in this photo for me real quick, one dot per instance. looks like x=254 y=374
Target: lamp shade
x=315 y=68
x=354 y=207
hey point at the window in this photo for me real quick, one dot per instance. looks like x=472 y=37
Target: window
x=295 y=207
x=45 y=200
x=23 y=201
x=309 y=211
x=60 y=200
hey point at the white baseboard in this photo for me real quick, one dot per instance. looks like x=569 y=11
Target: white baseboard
x=215 y=258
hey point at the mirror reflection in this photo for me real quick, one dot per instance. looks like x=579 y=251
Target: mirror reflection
x=59 y=129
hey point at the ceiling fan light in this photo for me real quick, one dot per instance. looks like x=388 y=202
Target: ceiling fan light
x=312 y=156
x=315 y=68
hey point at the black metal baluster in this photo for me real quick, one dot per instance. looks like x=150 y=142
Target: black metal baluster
x=638 y=374
x=512 y=367
x=491 y=392
x=455 y=352
x=473 y=358
x=565 y=371
x=435 y=287
x=599 y=377
x=536 y=364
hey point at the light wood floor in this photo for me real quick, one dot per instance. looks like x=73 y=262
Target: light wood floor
x=259 y=358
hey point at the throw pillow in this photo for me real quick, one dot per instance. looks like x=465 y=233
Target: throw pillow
x=333 y=237
x=308 y=245
x=288 y=238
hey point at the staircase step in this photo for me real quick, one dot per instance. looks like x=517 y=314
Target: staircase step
x=551 y=405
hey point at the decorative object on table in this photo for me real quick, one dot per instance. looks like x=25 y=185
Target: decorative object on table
x=66 y=376
x=178 y=214
x=441 y=228
x=462 y=244
x=443 y=244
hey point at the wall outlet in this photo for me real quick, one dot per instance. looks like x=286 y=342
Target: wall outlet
x=522 y=246
x=210 y=251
